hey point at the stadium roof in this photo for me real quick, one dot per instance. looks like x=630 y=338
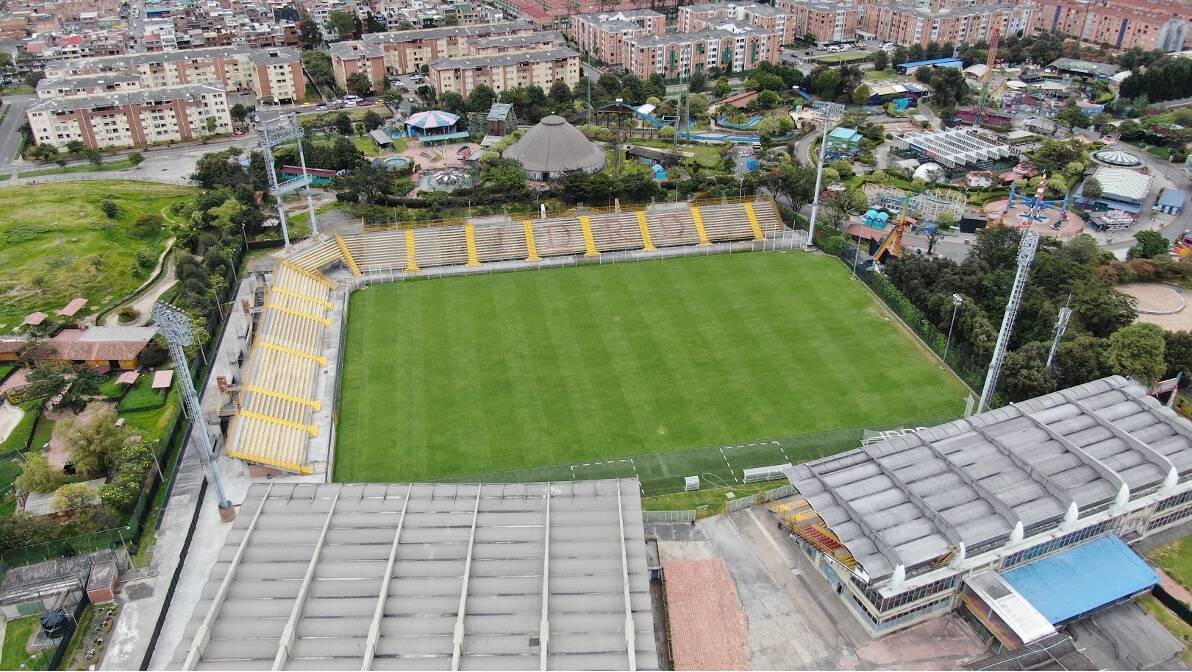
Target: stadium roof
x=995 y=478
x=1074 y=582
x=555 y=146
x=429 y=577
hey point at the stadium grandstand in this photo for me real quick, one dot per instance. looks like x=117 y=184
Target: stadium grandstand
x=1021 y=514
x=524 y=576
x=275 y=420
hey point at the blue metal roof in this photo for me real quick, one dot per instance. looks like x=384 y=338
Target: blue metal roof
x=935 y=61
x=1172 y=198
x=1081 y=579
x=842 y=133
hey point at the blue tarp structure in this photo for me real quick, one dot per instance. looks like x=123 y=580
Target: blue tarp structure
x=1081 y=579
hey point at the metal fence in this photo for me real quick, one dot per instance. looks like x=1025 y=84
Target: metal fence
x=687 y=516
x=968 y=367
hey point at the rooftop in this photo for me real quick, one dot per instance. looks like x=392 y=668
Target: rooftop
x=1084 y=67
x=1003 y=475
x=122 y=98
x=447 y=31
x=429 y=576
x=510 y=58
x=1123 y=183
x=125 y=60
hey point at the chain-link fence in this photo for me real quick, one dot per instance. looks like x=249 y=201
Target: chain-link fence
x=664 y=472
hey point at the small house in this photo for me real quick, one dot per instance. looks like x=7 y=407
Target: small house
x=500 y=120
x=843 y=142
x=1170 y=201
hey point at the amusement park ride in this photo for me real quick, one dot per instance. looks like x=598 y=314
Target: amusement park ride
x=892 y=243
x=1036 y=206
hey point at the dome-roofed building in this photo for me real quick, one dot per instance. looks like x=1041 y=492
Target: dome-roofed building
x=1116 y=157
x=554 y=147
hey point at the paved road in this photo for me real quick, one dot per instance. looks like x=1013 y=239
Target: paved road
x=10 y=139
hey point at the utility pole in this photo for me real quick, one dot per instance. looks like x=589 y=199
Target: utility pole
x=828 y=112
x=1061 y=325
x=175 y=327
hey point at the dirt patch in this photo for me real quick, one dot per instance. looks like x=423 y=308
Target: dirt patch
x=1163 y=305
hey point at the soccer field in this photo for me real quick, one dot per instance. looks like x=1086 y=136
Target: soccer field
x=587 y=366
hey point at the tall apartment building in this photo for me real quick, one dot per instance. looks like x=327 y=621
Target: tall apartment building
x=1123 y=24
x=828 y=21
x=381 y=54
x=693 y=18
x=273 y=72
x=906 y=24
x=603 y=34
x=88 y=85
x=506 y=71
x=406 y=51
x=132 y=118
x=729 y=47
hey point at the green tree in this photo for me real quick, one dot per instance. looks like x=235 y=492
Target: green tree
x=343 y=24
x=37 y=475
x=342 y=123
x=239 y=112
x=1092 y=188
x=359 y=84
x=667 y=132
x=309 y=33
x=722 y=88
x=1025 y=375
x=93 y=441
x=317 y=66
x=880 y=61
x=560 y=92
x=1072 y=116
x=481 y=98
x=73 y=497
x=109 y=208
x=75 y=146
x=136 y=158
x=1079 y=360
x=365 y=184
x=697 y=83
x=860 y=94
x=768 y=100
x=697 y=105
x=1137 y=351
x=372 y=121
x=1178 y=353
x=93 y=156
x=1101 y=308
x=1151 y=244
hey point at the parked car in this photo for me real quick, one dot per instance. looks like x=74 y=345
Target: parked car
x=350 y=104
x=321 y=107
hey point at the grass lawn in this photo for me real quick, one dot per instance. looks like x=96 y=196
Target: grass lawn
x=844 y=57
x=1175 y=559
x=9 y=470
x=119 y=164
x=1174 y=624
x=56 y=243
x=16 y=633
x=463 y=376
x=879 y=75
x=706 y=501
x=19 y=436
x=18 y=90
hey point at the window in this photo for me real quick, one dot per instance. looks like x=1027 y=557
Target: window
x=1056 y=544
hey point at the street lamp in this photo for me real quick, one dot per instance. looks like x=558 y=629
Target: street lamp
x=957 y=300
x=828 y=112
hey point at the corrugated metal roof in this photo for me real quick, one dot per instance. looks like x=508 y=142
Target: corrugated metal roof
x=1077 y=581
x=1066 y=455
x=429 y=577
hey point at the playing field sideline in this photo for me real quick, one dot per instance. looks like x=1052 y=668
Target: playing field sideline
x=460 y=376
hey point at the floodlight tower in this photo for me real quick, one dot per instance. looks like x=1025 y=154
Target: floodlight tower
x=828 y=112
x=1026 y=254
x=277 y=132
x=176 y=329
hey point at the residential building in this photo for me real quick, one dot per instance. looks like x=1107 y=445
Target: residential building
x=348 y=58
x=406 y=51
x=1122 y=24
x=503 y=44
x=729 y=47
x=87 y=85
x=557 y=14
x=506 y=71
x=603 y=34
x=132 y=118
x=905 y=24
x=827 y=21
x=767 y=17
x=273 y=72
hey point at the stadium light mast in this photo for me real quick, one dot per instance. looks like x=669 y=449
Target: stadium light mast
x=175 y=327
x=274 y=133
x=828 y=112
x=1026 y=254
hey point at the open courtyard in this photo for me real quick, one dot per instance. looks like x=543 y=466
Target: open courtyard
x=583 y=367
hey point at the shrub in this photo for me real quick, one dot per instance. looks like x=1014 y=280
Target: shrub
x=128 y=314
x=37 y=475
x=73 y=497
x=148 y=225
x=109 y=208
x=145 y=260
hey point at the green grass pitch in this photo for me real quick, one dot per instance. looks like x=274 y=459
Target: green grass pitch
x=468 y=375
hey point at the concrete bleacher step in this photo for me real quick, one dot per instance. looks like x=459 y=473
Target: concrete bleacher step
x=616 y=231
x=669 y=229
x=441 y=246
x=502 y=241
x=558 y=237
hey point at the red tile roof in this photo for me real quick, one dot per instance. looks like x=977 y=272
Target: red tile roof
x=706 y=624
